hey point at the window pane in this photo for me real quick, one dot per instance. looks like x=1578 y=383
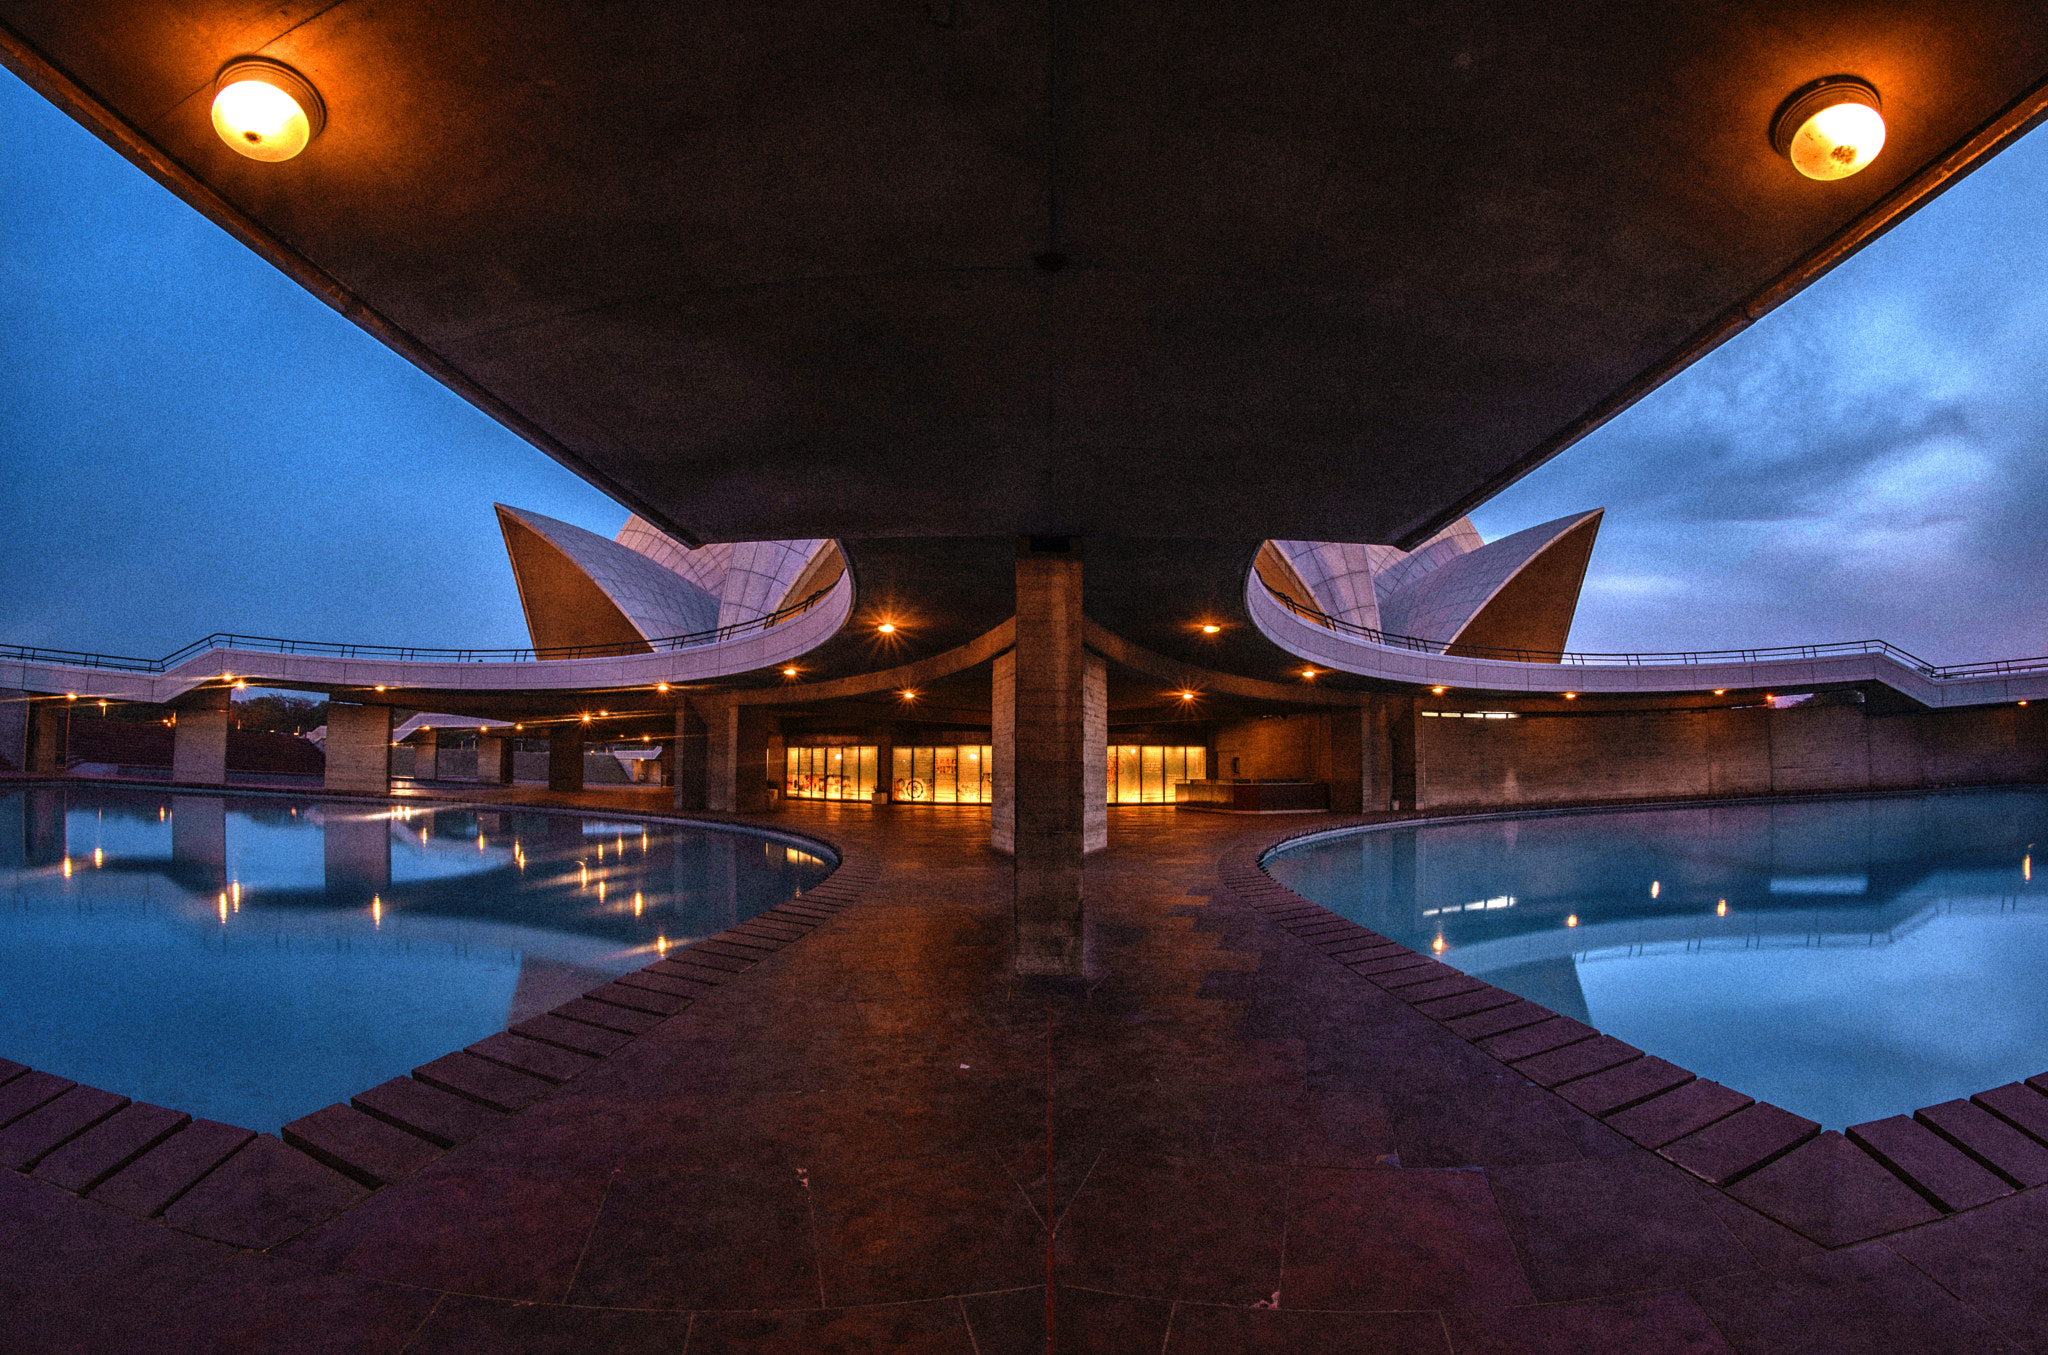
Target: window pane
x=945 y=775
x=1152 y=771
x=899 y=773
x=1128 y=782
x=1198 y=764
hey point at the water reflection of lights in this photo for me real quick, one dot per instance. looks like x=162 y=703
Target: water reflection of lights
x=1477 y=906
x=1656 y=887
x=223 y=910
x=1437 y=945
x=98 y=858
x=1721 y=908
x=1572 y=921
x=377 y=911
x=67 y=867
x=636 y=903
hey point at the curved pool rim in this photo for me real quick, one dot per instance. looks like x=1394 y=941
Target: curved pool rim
x=1765 y=1173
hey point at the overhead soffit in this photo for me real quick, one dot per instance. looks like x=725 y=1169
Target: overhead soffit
x=1335 y=272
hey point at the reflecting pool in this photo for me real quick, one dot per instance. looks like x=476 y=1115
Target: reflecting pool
x=254 y=958
x=1846 y=959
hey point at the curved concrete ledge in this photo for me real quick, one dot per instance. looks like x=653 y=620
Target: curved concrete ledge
x=1836 y=1189
x=1332 y=649
x=760 y=649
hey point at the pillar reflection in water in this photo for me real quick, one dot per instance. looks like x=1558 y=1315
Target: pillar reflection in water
x=357 y=851
x=42 y=827
x=199 y=842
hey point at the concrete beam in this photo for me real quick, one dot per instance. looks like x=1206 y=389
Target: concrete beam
x=358 y=749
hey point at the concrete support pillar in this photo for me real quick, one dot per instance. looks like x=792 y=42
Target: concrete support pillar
x=358 y=856
x=665 y=764
x=736 y=757
x=691 y=753
x=565 y=757
x=49 y=727
x=359 y=749
x=199 y=743
x=493 y=759
x=1050 y=710
x=1348 y=760
x=199 y=842
x=1407 y=782
x=14 y=708
x=426 y=755
x=885 y=761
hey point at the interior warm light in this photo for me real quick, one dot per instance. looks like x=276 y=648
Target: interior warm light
x=661 y=686
x=1210 y=630
x=586 y=719
x=265 y=110
x=887 y=628
x=789 y=672
x=1438 y=691
x=1189 y=696
x=380 y=686
x=1831 y=128
x=1571 y=696
x=1720 y=691
x=909 y=694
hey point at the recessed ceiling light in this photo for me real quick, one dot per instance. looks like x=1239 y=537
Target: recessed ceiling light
x=266 y=110
x=1831 y=128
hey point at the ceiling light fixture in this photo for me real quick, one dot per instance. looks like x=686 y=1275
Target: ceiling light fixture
x=1831 y=128
x=265 y=110
x=1210 y=630
x=887 y=628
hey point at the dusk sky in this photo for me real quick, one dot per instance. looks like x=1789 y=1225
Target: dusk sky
x=192 y=443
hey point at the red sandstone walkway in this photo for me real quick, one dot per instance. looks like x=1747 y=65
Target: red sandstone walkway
x=844 y=1146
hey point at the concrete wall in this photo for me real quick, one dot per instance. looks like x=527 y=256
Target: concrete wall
x=1277 y=747
x=1546 y=759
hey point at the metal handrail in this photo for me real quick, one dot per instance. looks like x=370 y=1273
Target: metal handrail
x=1836 y=649
x=407 y=653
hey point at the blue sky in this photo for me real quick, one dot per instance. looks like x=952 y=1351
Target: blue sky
x=191 y=443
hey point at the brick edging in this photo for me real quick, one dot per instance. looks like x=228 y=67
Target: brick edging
x=1837 y=1189
x=233 y=1185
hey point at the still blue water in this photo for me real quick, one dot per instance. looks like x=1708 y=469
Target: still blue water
x=254 y=958
x=1845 y=959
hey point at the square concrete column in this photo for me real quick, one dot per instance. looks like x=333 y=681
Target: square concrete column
x=426 y=755
x=565 y=757
x=737 y=739
x=199 y=741
x=49 y=724
x=14 y=708
x=493 y=760
x=691 y=755
x=359 y=749
x=665 y=764
x=1050 y=710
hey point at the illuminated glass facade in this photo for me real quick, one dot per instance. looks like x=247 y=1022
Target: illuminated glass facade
x=945 y=774
x=1145 y=774
x=839 y=772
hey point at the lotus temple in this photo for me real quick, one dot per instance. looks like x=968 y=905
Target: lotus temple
x=1048 y=829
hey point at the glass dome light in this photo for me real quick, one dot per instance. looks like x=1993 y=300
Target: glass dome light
x=1831 y=128
x=265 y=110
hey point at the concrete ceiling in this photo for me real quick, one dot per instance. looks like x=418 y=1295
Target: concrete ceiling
x=1328 y=271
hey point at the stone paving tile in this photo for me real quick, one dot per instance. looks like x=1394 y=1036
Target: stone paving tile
x=606 y=1016
x=440 y=1117
x=1929 y=1163
x=1439 y=988
x=30 y=1091
x=749 y=1242
x=1085 y=1322
x=83 y=1278
x=1728 y=1147
x=1608 y=1226
x=463 y=1325
x=1499 y=1020
x=265 y=1193
x=110 y=1145
x=592 y=1040
x=2020 y=1106
x=1990 y=1140
x=1683 y=1110
x=10 y=1070
x=638 y=999
x=1620 y=1087
x=1484 y=998
x=146 y=1185
x=1199 y=1329
x=1667 y=1324
x=905 y=1230
x=939 y=1328
x=259 y=1305
x=531 y=1056
x=1577 y=1060
x=53 y=1124
x=359 y=1146
x=1834 y=1193
x=488 y=1084
x=1397 y=1239
x=1413 y=976
x=1163 y=1226
x=1995 y=1259
x=1527 y=1042
x=663 y=983
x=1855 y=1302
